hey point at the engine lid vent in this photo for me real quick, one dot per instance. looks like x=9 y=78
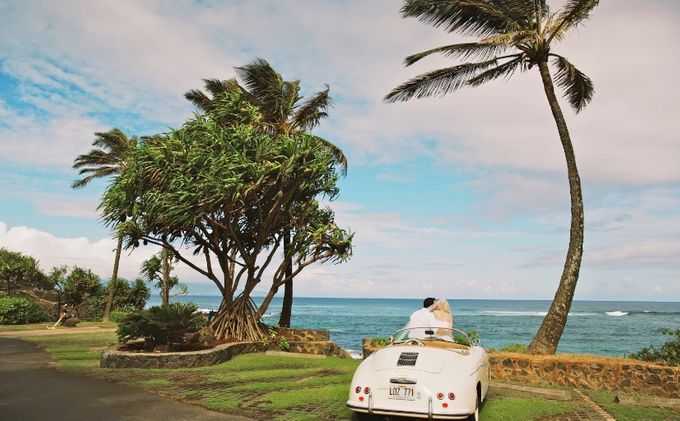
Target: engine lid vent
x=407 y=358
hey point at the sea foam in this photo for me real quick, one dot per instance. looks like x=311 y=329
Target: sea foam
x=617 y=313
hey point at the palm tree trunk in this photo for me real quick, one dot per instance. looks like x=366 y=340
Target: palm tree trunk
x=114 y=280
x=287 y=305
x=165 y=292
x=548 y=336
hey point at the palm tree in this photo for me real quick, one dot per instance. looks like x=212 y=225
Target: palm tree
x=108 y=158
x=516 y=35
x=283 y=112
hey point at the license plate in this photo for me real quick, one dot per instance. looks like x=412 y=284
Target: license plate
x=402 y=393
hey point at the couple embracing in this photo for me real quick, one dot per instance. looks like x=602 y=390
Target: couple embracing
x=435 y=313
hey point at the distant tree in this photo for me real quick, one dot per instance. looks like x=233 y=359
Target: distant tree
x=157 y=269
x=283 y=111
x=57 y=280
x=18 y=271
x=516 y=35
x=131 y=295
x=107 y=159
x=228 y=192
x=80 y=286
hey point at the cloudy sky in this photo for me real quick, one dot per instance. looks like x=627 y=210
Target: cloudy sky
x=463 y=197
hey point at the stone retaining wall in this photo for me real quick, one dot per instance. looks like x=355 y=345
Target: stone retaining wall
x=318 y=348
x=307 y=341
x=304 y=335
x=113 y=358
x=587 y=372
x=581 y=371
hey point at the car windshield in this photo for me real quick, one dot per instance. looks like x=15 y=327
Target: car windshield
x=433 y=334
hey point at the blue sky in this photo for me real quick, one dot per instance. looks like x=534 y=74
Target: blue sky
x=462 y=197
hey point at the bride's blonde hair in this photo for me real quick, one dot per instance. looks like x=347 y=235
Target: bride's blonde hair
x=441 y=304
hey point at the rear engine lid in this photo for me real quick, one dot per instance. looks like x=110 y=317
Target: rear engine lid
x=410 y=358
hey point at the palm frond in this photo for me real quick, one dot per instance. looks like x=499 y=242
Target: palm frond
x=265 y=86
x=509 y=39
x=290 y=95
x=199 y=99
x=337 y=153
x=107 y=158
x=309 y=113
x=216 y=88
x=574 y=12
x=474 y=50
x=578 y=88
x=506 y=70
x=439 y=82
x=468 y=17
x=523 y=12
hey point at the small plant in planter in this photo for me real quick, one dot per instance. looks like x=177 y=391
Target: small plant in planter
x=381 y=342
x=162 y=327
x=284 y=345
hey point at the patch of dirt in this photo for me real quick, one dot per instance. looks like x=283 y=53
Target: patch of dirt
x=322 y=373
x=177 y=347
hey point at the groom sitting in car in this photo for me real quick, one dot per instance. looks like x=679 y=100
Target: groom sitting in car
x=422 y=318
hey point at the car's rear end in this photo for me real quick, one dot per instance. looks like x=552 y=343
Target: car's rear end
x=415 y=381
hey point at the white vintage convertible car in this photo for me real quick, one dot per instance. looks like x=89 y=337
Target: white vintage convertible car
x=433 y=373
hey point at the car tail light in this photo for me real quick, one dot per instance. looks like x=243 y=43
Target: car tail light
x=361 y=398
x=367 y=390
x=440 y=395
x=445 y=405
x=357 y=389
x=452 y=396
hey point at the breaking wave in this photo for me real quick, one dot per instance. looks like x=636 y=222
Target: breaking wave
x=532 y=313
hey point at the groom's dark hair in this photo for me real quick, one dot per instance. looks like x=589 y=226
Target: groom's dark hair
x=428 y=302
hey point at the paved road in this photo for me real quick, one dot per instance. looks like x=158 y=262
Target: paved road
x=31 y=390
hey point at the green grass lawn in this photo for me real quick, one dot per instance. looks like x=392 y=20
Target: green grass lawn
x=284 y=388
x=630 y=412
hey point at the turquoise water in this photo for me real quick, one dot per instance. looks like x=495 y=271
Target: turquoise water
x=613 y=328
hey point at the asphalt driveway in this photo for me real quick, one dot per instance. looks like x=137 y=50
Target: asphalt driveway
x=30 y=389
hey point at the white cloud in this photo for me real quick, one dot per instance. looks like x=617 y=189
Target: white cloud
x=86 y=66
x=55 y=142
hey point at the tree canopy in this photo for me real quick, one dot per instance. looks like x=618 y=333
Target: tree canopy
x=224 y=190
x=19 y=271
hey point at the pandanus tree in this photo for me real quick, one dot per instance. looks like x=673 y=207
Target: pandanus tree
x=107 y=159
x=283 y=111
x=223 y=190
x=514 y=36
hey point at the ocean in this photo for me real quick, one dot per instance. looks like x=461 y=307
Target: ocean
x=614 y=328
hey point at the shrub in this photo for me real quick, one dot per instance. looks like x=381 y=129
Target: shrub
x=472 y=338
x=17 y=311
x=284 y=345
x=668 y=354
x=380 y=341
x=160 y=325
x=516 y=347
x=117 y=316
